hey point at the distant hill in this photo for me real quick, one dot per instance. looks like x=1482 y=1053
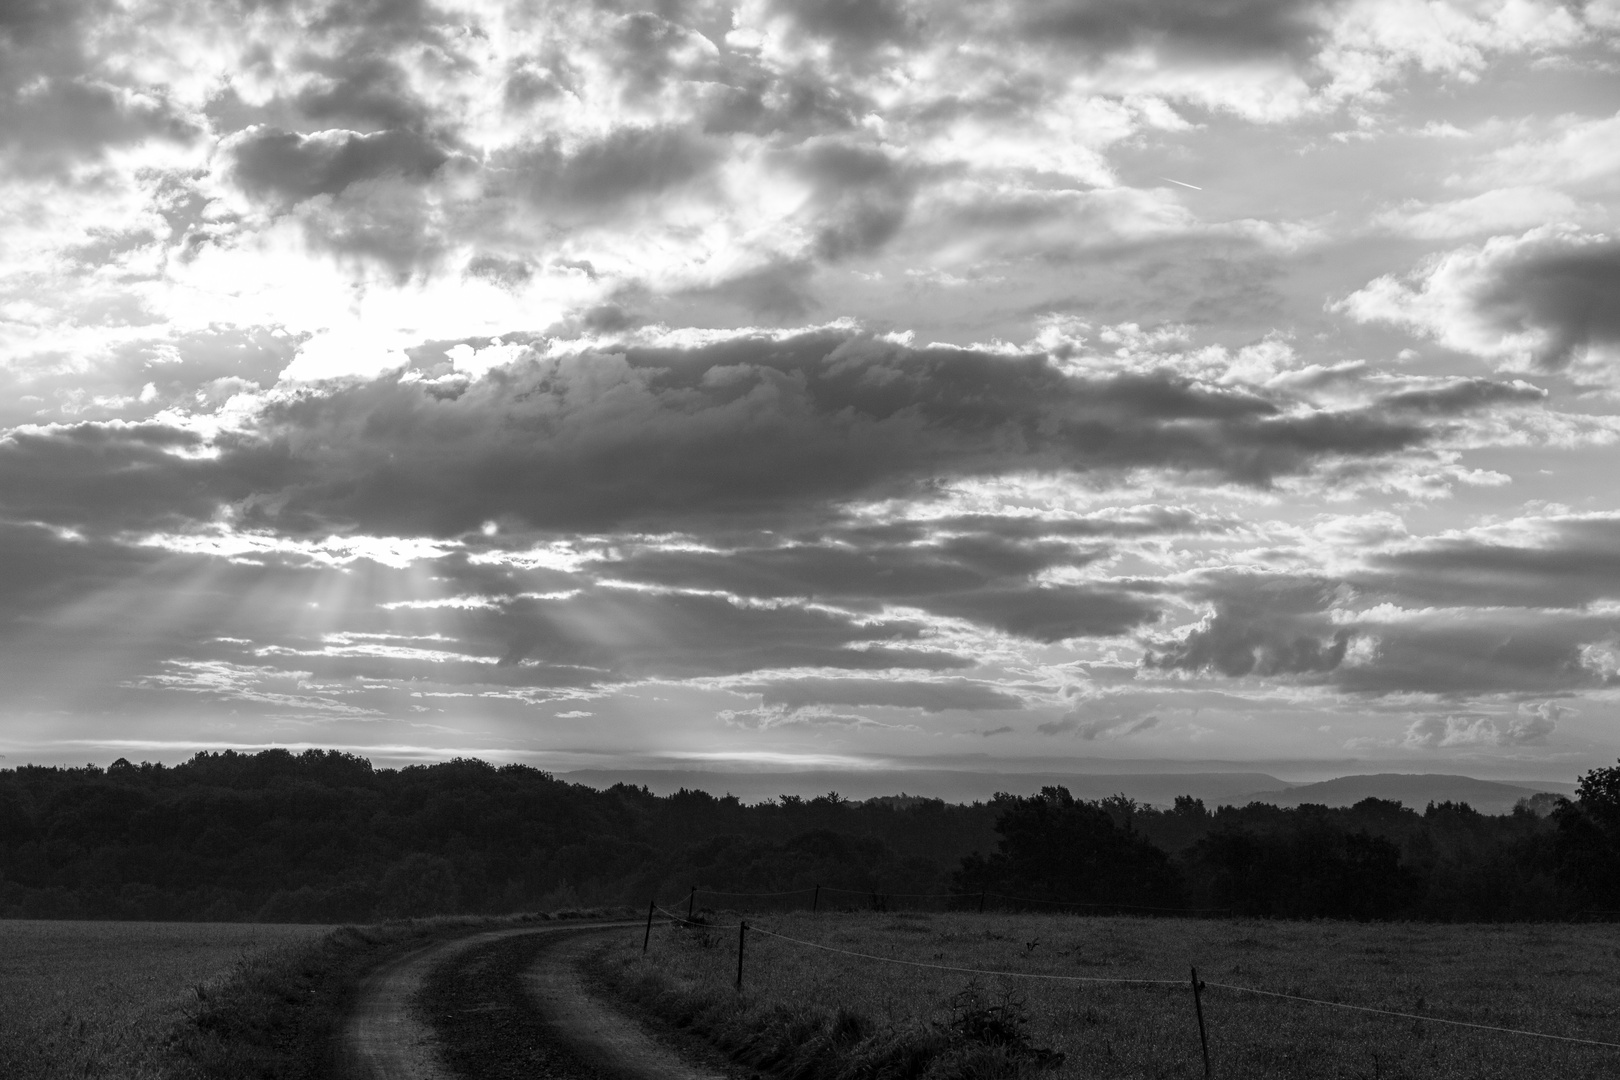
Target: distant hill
x=952 y=785
x=1413 y=790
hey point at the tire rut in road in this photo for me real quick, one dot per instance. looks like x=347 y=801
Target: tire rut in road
x=484 y=1025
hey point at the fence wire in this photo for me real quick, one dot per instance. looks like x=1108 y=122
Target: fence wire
x=1118 y=981
x=967 y=897
x=1412 y=1016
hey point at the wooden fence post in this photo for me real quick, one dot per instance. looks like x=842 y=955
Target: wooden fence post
x=1198 y=1007
x=691 y=898
x=742 y=936
x=647 y=937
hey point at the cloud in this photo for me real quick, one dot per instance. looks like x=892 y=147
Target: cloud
x=1569 y=561
x=619 y=633
x=1054 y=613
x=932 y=696
x=1444 y=732
x=853 y=24
x=1240 y=29
x=1454 y=617
x=601 y=175
x=42 y=570
x=126 y=475
x=1545 y=299
x=861 y=197
x=58 y=105
x=746 y=425
x=289 y=167
x=1262 y=625
x=1101 y=727
x=1493 y=211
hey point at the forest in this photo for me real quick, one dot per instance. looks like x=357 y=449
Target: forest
x=322 y=836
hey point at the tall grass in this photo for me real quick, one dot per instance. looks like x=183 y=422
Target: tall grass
x=84 y=999
x=804 y=1013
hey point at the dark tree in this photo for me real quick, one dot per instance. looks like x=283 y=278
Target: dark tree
x=1054 y=847
x=1589 y=838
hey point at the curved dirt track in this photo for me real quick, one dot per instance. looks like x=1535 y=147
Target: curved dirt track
x=612 y=1044
x=390 y=1038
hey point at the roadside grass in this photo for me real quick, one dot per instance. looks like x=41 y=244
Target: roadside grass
x=809 y=1014
x=87 y=999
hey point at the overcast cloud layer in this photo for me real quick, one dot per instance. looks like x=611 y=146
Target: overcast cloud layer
x=825 y=382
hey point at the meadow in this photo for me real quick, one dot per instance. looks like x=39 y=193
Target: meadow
x=87 y=999
x=811 y=1013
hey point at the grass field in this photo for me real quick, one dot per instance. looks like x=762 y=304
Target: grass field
x=97 y=998
x=1559 y=979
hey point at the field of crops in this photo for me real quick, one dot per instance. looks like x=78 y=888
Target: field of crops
x=97 y=998
x=1557 y=979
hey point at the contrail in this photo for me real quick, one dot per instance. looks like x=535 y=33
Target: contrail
x=1167 y=180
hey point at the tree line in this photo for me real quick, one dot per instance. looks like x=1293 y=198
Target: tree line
x=323 y=836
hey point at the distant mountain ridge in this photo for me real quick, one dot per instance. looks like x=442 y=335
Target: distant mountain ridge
x=1415 y=790
x=952 y=785
x=1157 y=789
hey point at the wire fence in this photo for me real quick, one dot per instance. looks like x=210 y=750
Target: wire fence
x=883 y=900
x=1197 y=985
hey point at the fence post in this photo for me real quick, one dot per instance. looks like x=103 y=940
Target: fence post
x=647 y=937
x=691 y=898
x=815 y=901
x=742 y=935
x=1198 y=1007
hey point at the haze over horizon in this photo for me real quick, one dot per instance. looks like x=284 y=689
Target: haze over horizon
x=836 y=384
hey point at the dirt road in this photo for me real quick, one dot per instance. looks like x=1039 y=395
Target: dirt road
x=504 y=1003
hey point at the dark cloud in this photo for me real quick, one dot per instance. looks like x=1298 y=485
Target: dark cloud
x=1568 y=291
x=1222 y=28
x=368 y=92
x=628 y=163
x=894 y=693
x=756 y=425
x=1460 y=396
x=506 y=271
x=783 y=105
x=652 y=50
x=1478 y=619
x=1262 y=625
x=861 y=200
x=57 y=106
x=40 y=571
x=749 y=427
x=1488 y=652
x=126 y=475
x=290 y=168
x=1577 y=563
x=780 y=289
x=857 y=25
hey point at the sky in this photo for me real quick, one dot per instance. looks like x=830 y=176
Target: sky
x=835 y=383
